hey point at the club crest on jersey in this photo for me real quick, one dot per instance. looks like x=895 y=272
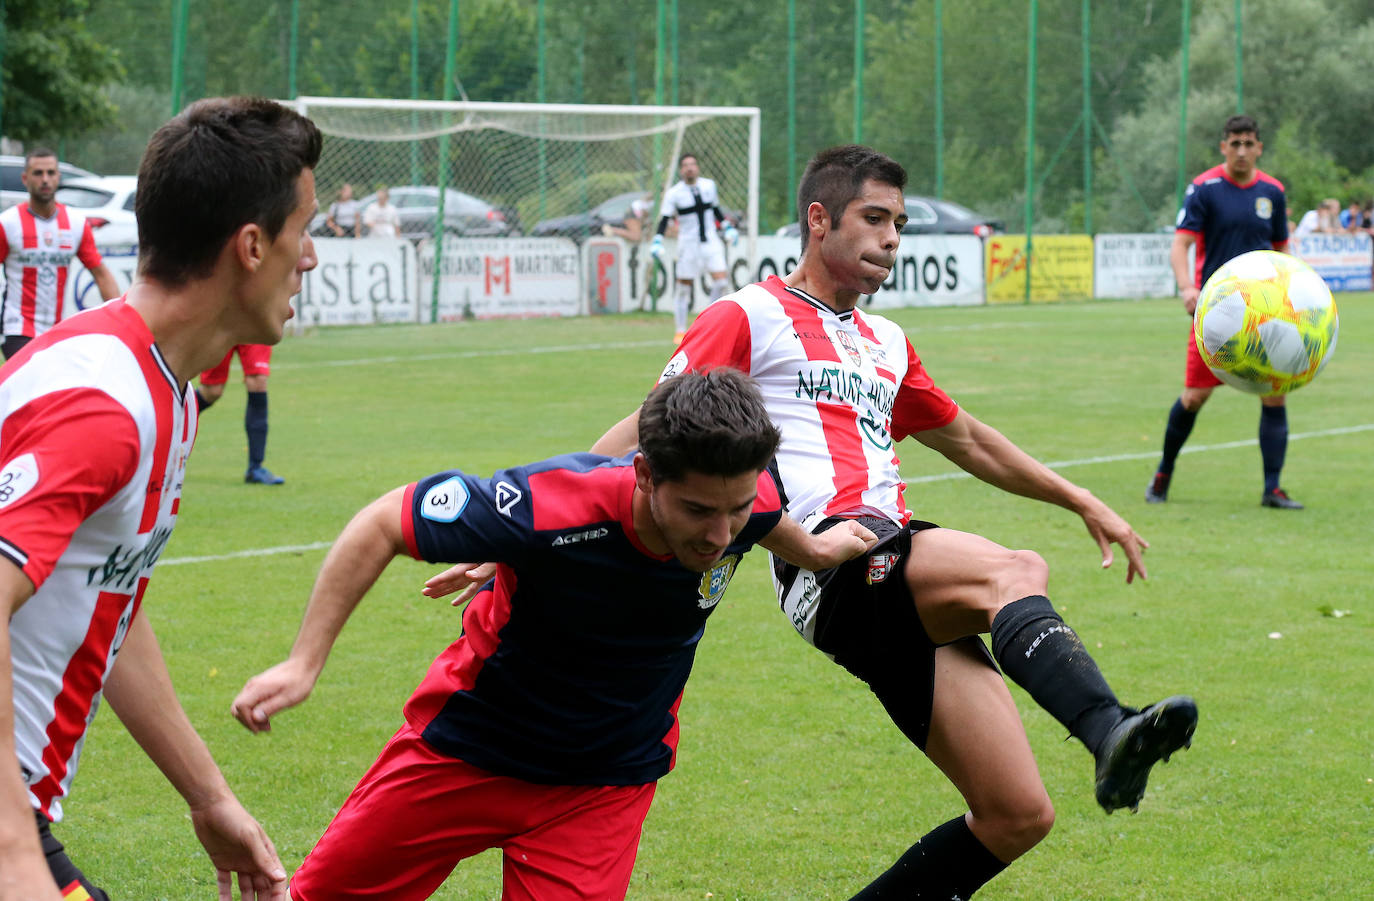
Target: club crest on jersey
x=507 y=496
x=880 y=567
x=445 y=501
x=715 y=580
x=17 y=478
x=850 y=347
x=1264 y=207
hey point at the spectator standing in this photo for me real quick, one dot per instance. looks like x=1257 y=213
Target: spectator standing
x=381 y=218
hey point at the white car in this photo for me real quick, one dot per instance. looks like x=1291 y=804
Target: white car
x=107 y=202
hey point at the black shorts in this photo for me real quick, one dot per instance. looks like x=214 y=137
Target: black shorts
x=63 y=870
x=866 y=621
x=13 y=344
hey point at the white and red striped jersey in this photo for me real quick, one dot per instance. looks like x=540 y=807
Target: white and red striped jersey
x=94 y=436
x=38 y=255
x=842 y=388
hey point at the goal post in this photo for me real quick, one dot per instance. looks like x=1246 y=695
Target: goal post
x=530 y=169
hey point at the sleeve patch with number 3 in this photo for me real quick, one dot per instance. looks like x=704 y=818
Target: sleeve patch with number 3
x=445 y=501
x=17 y=479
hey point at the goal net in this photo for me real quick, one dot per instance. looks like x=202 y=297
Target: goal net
x=529 y=170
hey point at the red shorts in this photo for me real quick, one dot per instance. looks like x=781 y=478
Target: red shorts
x=1197 y=375
x=254 y=358
x=417 y=813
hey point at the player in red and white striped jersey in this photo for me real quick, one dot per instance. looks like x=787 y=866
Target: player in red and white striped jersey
x=96 y=421
x=37 y=242
x=844 y=386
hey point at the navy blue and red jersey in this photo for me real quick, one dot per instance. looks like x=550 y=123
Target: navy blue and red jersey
x=1230 y=219
x=572 y=661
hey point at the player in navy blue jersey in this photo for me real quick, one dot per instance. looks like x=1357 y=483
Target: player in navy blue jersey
x=543 y=729
x=1229 y=210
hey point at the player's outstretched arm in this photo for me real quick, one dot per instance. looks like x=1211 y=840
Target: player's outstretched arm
x=24 y=872
x=363 y=550
x=982 y=451
x=140 y=692
x=834 y=546
x=621 y=438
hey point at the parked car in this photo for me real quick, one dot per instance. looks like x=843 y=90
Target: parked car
x=930 y=216
x=418 y=207
x=12 y=190
x=579 y=225
x=107 y=202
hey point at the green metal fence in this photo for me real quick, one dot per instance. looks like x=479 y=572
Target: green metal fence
x=1056 y=116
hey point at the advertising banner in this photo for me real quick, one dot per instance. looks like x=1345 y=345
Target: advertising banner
x=1343 y=261
x=1132 y=266
x=359 y=281
x=1062 y=268
x=487 y=278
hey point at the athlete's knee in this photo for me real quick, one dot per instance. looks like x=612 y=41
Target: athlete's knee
x=1012 y=829
x=1022 y=574
x=1193 y=398
x=211 y=393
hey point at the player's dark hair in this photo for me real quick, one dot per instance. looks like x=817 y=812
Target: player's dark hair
x=223 y=163
x=1239 y=125
x=836 y=176
x=38 y=153
x=711 y=423
x=686 y=156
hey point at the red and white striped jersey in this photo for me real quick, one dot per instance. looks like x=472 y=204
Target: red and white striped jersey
x=94 y=436
x=842 y=388
x=38 y=255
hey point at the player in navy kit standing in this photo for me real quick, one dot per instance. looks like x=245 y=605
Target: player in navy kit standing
x=543 y=729
x=1229 y=210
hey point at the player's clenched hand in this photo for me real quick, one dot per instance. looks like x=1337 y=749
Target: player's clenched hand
x=1107 y=528
x=238 y=846
x=469 y=577
x=843 y=541
x=284 y=685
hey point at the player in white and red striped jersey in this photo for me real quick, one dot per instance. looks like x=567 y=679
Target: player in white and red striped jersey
x=37 y=242
x=843 y=386
x=96 y=420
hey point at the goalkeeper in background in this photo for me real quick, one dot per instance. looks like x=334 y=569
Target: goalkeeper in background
x=694 y=203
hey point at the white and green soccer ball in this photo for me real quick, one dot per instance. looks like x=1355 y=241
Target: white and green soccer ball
x=1265 y=323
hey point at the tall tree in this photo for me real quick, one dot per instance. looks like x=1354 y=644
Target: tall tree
x=54 y=70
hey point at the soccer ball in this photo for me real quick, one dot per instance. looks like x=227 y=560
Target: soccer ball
x=1265 y=323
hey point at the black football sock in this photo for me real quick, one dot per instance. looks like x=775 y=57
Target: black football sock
x=948 y=863
x=202 y=402
x=255 y=424
x=1273 y=442
x=1180 y=426
x=1045 y=657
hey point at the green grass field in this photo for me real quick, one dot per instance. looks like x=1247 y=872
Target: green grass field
x=791 y=782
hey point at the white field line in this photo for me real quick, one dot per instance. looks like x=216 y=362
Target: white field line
x=662 y=343
x=1154 y=454
x=943 y=477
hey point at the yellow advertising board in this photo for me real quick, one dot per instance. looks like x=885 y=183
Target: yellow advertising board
x=1062 y=268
